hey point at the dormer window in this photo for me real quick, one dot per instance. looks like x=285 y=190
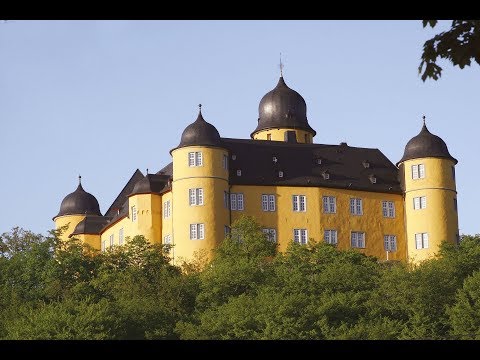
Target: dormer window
x=319 y=161
x=234 y=157
x=280 y=174
x=326 y=175
x=274 y=159
x=239 y=172
x=366 y=164
x=373 y=179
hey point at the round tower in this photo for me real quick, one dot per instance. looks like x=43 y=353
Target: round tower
x=282 y=116
x=200 y=190
x=74 y=208
x=428 y=179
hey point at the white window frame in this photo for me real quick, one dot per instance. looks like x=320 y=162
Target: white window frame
x=121 y=237
x=268 y=202
x=133 y=209
x=167 y=240
x=300 y=236
x=329 y=204
x=195 y=196
x=330 y=236
x=112 y=239
x=390 y=243
x=299 y=203
x=239 y=172
x=421 y=241
x=195 y=158
x=197 y=231
x=236 y=201
x=418 y=171
x=357 y=239
x=388 y=209
x=167 y=209
x=271 y=234
x=103 y=246
x=225 y=161
x=419 y=202
x=356 y=206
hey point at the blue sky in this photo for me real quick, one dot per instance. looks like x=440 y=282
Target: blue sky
x=103 y=98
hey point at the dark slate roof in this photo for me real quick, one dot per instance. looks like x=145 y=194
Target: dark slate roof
x=344 y=165
x=200 y=132
x=127 y=189
x=167 y=170
x=92 y=224
x=282 y=107
x=426 y=144
x=151 y=183
x=79 y=202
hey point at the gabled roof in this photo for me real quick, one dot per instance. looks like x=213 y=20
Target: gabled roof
x=127 y=189
x=260 y=162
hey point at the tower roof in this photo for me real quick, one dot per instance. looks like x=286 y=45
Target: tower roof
x=79 y=202
x=282 y=107
x=151 y=183
x=426 y=144
x=200 y=132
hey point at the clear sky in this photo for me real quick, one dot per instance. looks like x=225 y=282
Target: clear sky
x=103 y=98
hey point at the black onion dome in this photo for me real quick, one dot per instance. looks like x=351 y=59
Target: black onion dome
x=283 y=107
x=200 y=132
x=426 y=144
x=79 y=202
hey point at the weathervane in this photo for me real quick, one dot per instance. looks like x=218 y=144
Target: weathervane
x=281 y=66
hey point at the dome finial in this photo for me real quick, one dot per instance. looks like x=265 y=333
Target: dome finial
x=281 y=66
x=200 y=108
x=79 y=179
x=423 y=117
x=147 y=171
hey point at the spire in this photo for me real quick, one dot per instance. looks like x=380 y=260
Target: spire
x=200 y=116
x=281 y=66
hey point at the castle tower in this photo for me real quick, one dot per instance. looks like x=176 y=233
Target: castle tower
x=74 y=208
x=427 y=173
x=282 y=116
x=200 y=190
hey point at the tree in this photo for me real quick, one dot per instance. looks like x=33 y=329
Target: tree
x=460 y=45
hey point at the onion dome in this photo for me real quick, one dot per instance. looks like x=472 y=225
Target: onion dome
x=282 y=107
x=426 y=144
x=79 y=202
x=200 y=132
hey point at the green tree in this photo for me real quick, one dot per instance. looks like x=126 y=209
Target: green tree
x=459 y=45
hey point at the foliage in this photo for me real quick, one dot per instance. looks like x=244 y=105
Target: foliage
x=51 y=289
x=459 y=45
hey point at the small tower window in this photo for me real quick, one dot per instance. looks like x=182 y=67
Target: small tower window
x=239 y=172
x=366 y=164
x=274 y=159
x=326 y=175
x=373 y=179
x=319 y=161
x=134 y=213
x=234 y=157
x=269 y=136
x=280 y=174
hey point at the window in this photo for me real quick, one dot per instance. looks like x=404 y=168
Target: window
x=388 y=209
x=453 y=173
x=236 y=201
x=280 y=174
x=268 y=202
x=421 y=241
x=419 y=202
x=455 y=205
x=418 y=171
x=167 y=240
x=197 y=231
x=227 y=230
x=300 y=236
x=111 y=240
x=357 y=239
x=356 y=206
x=134 y=213
x=120 y=236
x=269 y=136
x=239 y=172
x=299 y=202
x=330 y=237
x=271 y=234
x=225 y=199
x=329 y=204
x=167 y=210
x=390 y=242
x=225 y=161
x=195 y=158
x=195 y=196
x=103 y=245
x=326 y=175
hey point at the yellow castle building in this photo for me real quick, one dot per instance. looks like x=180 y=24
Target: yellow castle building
x=297 y=190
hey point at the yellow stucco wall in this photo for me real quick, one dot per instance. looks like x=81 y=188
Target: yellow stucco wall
x=213 y=179
x=71 y=220
x=284 y=219
x=279 y=135
x=90 y=239
x=439 y=219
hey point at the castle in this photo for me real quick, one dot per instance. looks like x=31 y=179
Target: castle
x=297 y=190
